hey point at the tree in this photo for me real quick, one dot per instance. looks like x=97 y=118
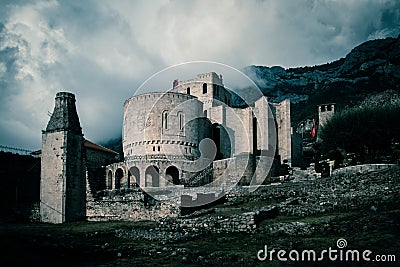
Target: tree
x=368 y=131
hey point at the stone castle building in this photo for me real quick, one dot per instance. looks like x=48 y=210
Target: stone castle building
x=162 y=135
x=187 y=137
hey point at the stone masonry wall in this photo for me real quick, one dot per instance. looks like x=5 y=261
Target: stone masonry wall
x=95 y=162
x=119 y=205
x=162 y=124
x=62 y=185
x=216 y=224
x=362 y=168
x=284 y=130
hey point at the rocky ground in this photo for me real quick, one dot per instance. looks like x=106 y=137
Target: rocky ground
x=362 y=209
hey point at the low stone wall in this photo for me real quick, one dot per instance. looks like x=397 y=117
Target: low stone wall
x=244 y=222
x=128 y=211
x=365 y=168
x=127 y=205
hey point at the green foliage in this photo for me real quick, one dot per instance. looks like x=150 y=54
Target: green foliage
x=368 y=131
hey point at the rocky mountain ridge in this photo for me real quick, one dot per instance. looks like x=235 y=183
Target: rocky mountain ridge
x=369 y=69
x=372 y=67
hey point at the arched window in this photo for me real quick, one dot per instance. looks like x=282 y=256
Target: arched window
x=188 y=90
x=205 y=113
x=204 y=88
x=165 y=120
x=181 y=120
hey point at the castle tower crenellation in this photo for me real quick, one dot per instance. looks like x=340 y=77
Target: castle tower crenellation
x=325 y=112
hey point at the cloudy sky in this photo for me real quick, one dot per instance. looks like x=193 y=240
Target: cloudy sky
x=103 y=50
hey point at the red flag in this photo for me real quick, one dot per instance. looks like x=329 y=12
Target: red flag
x=175 y=83
x=314 y=129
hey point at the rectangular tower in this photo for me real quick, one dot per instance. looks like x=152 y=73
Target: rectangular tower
x=63 y=182
x=208 y=88
x=325 y=112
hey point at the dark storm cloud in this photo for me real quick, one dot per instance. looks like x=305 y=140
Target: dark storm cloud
x=103 y=50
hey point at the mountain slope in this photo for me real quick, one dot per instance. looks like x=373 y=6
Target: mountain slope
x=371 y=67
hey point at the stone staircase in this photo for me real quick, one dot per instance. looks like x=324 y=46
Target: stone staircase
x=202 y=178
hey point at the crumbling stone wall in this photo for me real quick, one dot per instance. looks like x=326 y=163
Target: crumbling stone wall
x=341 y=192
x=364 y=168
x=127 y=205
x=128 y=211
x=216 y=224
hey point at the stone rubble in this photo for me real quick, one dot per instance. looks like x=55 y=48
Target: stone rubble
x=301 y=199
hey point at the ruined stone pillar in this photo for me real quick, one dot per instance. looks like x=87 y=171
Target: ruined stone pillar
x=143 y=177
x=112 y=179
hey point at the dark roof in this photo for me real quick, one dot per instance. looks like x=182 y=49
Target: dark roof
x=87 y=144
x=92 y=145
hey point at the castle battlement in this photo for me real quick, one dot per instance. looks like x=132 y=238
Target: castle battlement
x=210 y=77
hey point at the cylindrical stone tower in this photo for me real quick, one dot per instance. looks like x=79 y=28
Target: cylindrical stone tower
x=162 y=124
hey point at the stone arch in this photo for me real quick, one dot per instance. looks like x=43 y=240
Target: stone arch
x=119 y=175
x=135 y=176
x=172 y=175
x=152 y=176
x=109 y=179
